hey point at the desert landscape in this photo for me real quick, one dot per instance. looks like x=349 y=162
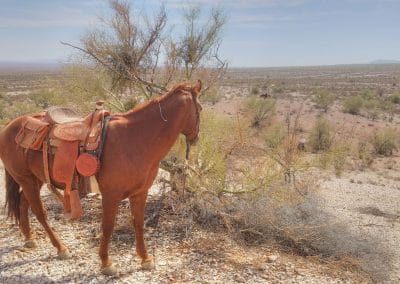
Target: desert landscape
x=326 y=213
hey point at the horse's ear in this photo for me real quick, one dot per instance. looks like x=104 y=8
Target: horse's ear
x=197 y=87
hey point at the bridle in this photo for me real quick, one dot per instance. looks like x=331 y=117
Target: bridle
x=198 y=108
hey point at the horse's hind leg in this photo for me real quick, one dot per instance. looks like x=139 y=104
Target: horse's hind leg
x=31 y=191
x=24 y=222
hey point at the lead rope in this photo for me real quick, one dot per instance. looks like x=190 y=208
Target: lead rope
x=161 y=114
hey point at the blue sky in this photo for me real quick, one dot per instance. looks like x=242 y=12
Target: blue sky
x=258 y=32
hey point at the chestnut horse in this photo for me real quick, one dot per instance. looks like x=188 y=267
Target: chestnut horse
x=136 y=141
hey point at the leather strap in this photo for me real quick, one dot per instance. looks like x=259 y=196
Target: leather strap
x=50 y=186
x=106 y=120
x=46 y=161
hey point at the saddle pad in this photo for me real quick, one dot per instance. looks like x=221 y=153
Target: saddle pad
x=73 y=131
x=60 y=115
x=32 y=134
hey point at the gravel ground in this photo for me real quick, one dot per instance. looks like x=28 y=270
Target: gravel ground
x=207 y=256
x=367 y=202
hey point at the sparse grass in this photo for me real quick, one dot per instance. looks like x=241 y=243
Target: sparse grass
x=395 y=98
x=320 y=138
x=211 y=96
x=274 y=136
x=384 y=142
x=365 y=154
x=353 y=105
x=339 y=154
x=324 y=99
x=259 y=109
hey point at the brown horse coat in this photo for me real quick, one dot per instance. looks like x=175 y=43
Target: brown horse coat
x=136 y=142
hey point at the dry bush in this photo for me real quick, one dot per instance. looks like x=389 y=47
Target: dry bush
x=208 y=159
x=324 y=99
x=336 y=157
x=211 y=96
x=142 y=56
x=255 y=91
x=3 y=107
x=20 y=108
x=394 y=98
x=274 y=136
x=259 y=109
x=384 y=142
x=320 y=137
x=365 y=155
x=235 y=188
x=353 y=105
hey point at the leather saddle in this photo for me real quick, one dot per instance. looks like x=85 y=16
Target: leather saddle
x=71 y=147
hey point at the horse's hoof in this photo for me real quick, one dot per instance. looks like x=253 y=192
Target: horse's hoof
x=63 y=255
x=30 y=244
x=148 y=264
x=109 y=270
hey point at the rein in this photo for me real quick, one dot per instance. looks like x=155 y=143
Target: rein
x=187 y=150
x=161 y=113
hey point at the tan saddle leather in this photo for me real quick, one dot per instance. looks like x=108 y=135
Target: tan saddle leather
x=66 y=138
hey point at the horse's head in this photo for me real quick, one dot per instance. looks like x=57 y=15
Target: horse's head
x=192 y=126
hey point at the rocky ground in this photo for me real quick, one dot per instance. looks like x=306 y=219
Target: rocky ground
x=206 y=256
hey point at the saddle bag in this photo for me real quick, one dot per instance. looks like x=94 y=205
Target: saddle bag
x=32 y=134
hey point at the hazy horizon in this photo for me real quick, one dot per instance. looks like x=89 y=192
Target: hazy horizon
x=258 y=33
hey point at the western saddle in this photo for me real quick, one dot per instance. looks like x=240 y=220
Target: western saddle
x=71 y=148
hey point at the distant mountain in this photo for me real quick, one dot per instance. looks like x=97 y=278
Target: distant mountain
x=28 y=66
x=385 y=61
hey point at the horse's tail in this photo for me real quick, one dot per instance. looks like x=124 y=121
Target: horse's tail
x=13 y=197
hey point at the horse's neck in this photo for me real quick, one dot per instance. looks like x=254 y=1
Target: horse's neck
x=160 y=123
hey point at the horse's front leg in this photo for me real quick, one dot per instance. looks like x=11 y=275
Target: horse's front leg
x=110 y=209
x=137 y=204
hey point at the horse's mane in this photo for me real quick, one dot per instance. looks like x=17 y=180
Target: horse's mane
x=177 y=88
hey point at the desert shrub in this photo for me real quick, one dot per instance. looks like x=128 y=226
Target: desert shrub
x=395 y=98
x=20 y=108
x=274 y=136
x=81 y=86
x=372 y=108
x=339 y=154
x=277 y=89
x=384 y=142
x=208 y=158
x=353 y=105
x=45 y=98
x=259 y=109
x=335 y=157
x=324 y=99
x=365 y=154
x=3 y=107
x=211 y=96
x=255 y=91
x=320 y=138
x=368 y=95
